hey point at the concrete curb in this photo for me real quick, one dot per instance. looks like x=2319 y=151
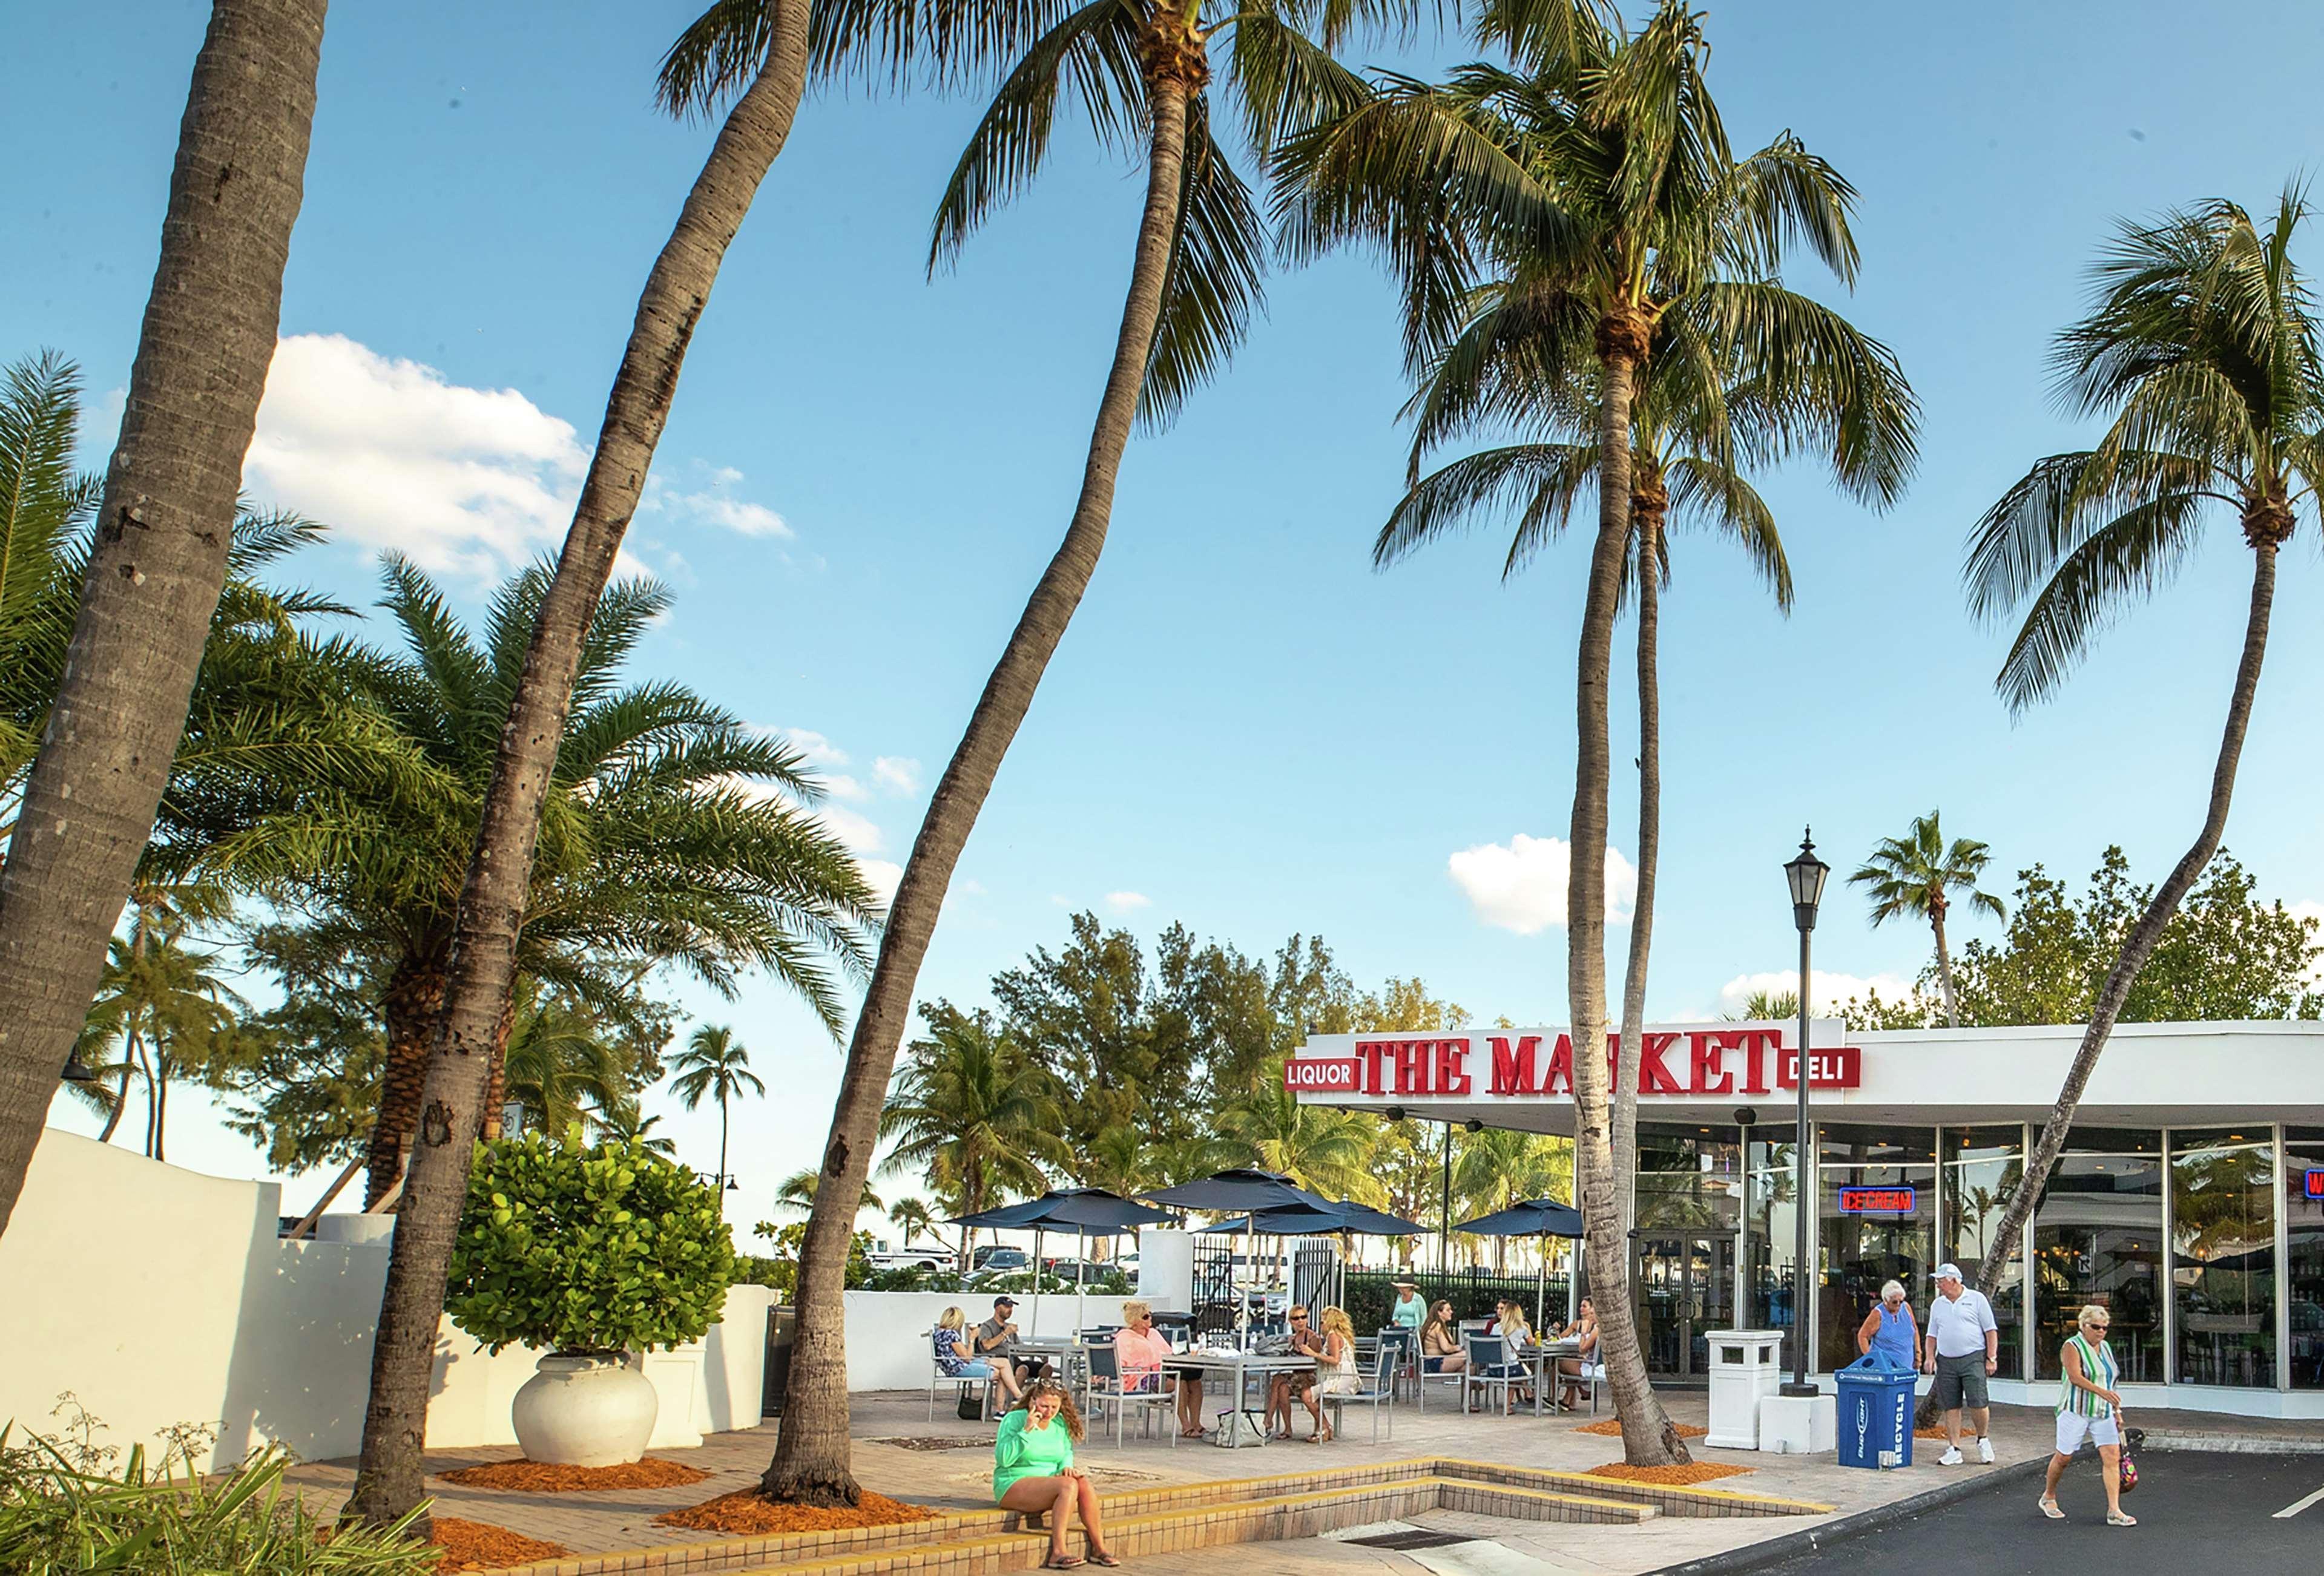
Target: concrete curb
x=2236 y=1444
x=1811 y=1540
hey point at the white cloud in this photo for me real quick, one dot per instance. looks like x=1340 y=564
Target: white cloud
x=897 y=773
x=838 y=785
x=394 y=455
x=858 y=831
x=1831 y=989
x=813 y=747
x=1520 y=885
x=1128 y=902
x=715 y=502
x=883 y=874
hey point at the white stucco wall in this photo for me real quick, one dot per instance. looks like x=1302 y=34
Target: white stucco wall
x=159 y=1296
x=887 y=1346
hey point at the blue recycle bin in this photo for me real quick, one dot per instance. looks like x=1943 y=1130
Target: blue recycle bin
x=1875 y=1413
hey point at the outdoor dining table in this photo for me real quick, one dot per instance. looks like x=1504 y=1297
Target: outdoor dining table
x=1060 y=1351
x=1543 y=1357
x=1244 y=1366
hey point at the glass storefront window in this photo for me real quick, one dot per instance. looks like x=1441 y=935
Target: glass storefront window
x=2223 y=1256
x=2304 y=1156
x=1775 y=1225
x=1689 y=1203
x=1876 y=1239
x=1981 y=1168
x=2097 y=1237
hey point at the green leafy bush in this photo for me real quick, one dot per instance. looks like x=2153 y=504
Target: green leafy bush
x=583 y=1249
x=63 y=1508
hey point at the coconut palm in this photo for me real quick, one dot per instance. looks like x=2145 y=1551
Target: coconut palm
x=911 y=1218
x=798 y=1193
x=1914 y=876
x=162 y=552
x=1141 y=70
x=1594 y=179
x=669 y=838
x=2201 y=348
x=1326 y=1151
x=711 y=1063
x=1499 y=1167
x=623 y=1120
x=972 y=1112
x=561 y=1062
x=160 y=1002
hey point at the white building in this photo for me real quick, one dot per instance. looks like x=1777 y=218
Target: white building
x=2189 y=1200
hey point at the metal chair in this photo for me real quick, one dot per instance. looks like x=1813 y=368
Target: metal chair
x=1488 y=1368
x=938 y=1378
x=1381 y=1397
x=1102 y=1383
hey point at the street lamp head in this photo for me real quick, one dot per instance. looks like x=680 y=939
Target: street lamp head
x=76 y=1071
x=1472 y=1126
x=1806 y=875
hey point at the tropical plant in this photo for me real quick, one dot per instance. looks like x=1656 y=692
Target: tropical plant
x=159 y=1002
x=562 y=1062
x=1141 y=70
x=1594 y=181
x=163 y=546
x=971 y=1112
x=1499 y=1167
x=1914 y=876
x=911 y=1217
x=2201 y=349
x=579 y=1250
x=1326 y=1151
x=714 y=1065
x=623 y=1123
x=798 y=1190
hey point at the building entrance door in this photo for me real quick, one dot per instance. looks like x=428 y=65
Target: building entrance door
x=1689 y=1288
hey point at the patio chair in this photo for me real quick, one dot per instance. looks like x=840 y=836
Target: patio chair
x=1381 y=1397
x=938 y=1378
x=1104 y=1383
x=1490 y=1369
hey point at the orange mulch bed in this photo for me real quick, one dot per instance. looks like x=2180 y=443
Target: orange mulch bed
x=1928 y=1433
x=746 y=1513
x=1667 y=1477
x=1612 y=1428
x=472 y=1545
x=540 y=1478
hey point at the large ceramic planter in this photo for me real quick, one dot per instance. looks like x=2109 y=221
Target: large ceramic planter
x=585 y=1412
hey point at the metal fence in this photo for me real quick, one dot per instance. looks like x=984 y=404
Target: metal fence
x=1369 y=1293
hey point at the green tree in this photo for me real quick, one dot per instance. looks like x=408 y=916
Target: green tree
x=1082 y=1014
x=1499 y=1167
x=911 y=1218
x=1597 y=177
x=1913 y=877
x=562 y=1062
x=798 y=1191
x=162 y=550
x=161 y=1004
x=2201 y=350
x=1327 y=1151
x=625 y=1123
x=711 y=1063
x=972 y=1112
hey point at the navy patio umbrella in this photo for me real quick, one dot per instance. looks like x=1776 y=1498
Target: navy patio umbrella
x=1536 y=1217
x=1247 y=1188
x=1086 y=1211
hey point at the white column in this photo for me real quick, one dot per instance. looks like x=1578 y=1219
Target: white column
x=2282 y=1262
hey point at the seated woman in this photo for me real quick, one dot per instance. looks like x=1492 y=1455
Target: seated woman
x=954 y=1360
x=1033 y=1472
x=1335 y=1370
x=1584 y=1331
x=1440 y=1342
x=1509 y=1322
x=1140 y=1350
x=1284 y=1387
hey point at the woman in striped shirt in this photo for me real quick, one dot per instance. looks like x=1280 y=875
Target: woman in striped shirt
x=2089 y=1408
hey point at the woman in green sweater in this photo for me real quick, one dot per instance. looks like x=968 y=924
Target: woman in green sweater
x=1033 y=1470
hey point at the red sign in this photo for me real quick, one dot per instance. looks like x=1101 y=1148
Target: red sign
x=1877 y=1201
x=2316 y=1184
x=1704 y=1062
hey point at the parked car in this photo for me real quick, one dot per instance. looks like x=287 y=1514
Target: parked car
x=908 y=1258
x=995 y=1258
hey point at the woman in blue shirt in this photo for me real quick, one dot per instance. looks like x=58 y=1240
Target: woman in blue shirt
x=1890 y=1329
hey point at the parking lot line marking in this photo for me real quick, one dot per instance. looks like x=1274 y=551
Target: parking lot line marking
x=2297 y=1506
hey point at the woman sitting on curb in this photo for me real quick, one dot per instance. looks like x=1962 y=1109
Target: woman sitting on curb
x=1033 y=1472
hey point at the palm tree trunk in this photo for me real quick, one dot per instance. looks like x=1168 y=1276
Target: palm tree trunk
x=152 y=1099
x=162 y=528
x=496 y=1075
x=1648 y=1438
x=2139 y=945
x=721 y=1142
x=1650 y=834
x=493 y=900
x=1944 y=964
x=811 y=1461
x=413 y=1007
x=160 y=1104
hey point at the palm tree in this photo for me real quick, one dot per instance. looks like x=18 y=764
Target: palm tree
x=972 y=1112
x=667 y=835
x=1327 y=1151
x=1140 y=66
x=624 y=1122
x=798 y=1190
x=2202 y=348
x=160 y=1001
x=1596 y=178
x=1498 y=1167
x=166 y=514
x=711 y=1063
x=911 y=1217
x=562 y=1064
x=1768 y=1007
x=1911 y=876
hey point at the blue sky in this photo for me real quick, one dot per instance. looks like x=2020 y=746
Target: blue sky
x=1247 y=729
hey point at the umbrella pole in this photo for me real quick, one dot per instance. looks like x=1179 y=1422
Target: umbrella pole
x=1036 y=1330
x=1080 y=1272
x=1540 y=1282
x=1242 y=1298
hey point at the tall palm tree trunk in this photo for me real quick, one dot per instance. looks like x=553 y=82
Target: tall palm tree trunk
x=1944 y=962
x=414 y=1006
x=1648 y=1438
x=162 y=527
x=2267 y=534
x=811 y=1460
x=120 y=1098
x=1648 y=502
x=493 y=900
x=721 y=1137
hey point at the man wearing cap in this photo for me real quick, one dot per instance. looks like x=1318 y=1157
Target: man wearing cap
x=1962 y=1349
x=997 y=1332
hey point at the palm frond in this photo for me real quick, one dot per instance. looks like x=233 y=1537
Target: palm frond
x=1217 y=264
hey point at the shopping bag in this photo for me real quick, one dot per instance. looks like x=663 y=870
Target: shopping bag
x=2131 y=1438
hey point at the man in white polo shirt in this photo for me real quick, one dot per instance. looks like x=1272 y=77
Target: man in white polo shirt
x=1962 y=1349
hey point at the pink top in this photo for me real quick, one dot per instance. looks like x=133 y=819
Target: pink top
x=1140 y=1354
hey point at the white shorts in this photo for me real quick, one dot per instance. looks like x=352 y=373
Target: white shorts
x=2073 y=1428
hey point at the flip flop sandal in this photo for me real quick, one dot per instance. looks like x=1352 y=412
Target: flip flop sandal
x=2049 y=1508
x=1061 y=1562
x=2116 y=1519
x=1107 y=1558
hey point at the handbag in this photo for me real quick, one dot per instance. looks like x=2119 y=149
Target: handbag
x=2130 y=1437
x=971 y=1405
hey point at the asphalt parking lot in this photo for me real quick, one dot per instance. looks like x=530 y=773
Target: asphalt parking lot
x=2197 y=1513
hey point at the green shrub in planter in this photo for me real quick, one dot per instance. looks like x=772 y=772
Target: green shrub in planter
x=582 y=1250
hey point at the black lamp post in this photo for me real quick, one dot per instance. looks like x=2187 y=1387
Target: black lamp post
x=76 y=1071
x=1806 y=875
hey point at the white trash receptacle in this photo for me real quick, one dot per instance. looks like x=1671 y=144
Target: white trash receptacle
x=1747 y=1366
